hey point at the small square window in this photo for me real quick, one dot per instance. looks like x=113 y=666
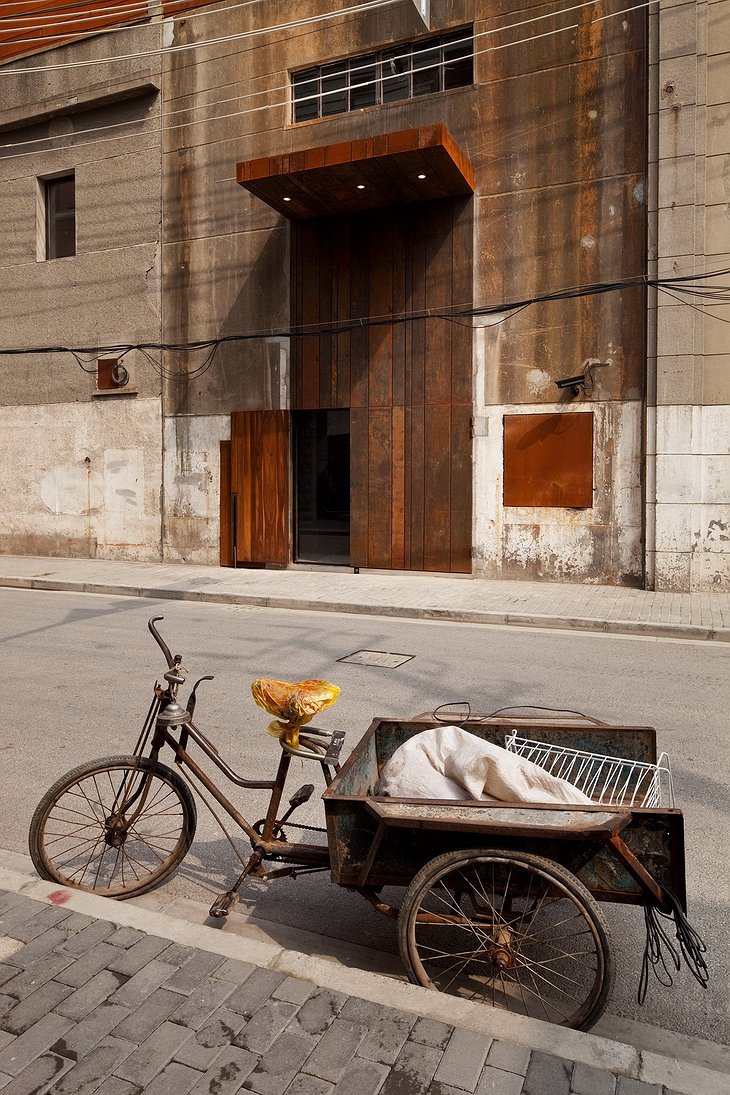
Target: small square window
x=60 y=206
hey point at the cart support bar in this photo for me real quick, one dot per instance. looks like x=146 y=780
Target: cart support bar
x=637 y=871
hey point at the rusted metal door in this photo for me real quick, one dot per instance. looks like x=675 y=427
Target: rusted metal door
x=259 y=483
x=408 y=385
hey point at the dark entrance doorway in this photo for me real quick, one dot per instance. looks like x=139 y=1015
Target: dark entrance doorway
x=322 y=486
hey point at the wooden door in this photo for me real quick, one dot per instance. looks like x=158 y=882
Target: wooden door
x=260 y=483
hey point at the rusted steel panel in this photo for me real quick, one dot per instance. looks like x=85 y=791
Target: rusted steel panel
x=359 y=511
x=260 y=480
x=415 y=468
x=437 y=488
x=548 y=460
x=359 y=304
x=79 y=19
x=416 y=268
x=460 y=509
x=326 y=306
x=342 y=275
x=334 y=181
x=439 y=279
x=401 y=304
x=380 y=338
x=380 y=463
x=415 y=473
x=397 y=498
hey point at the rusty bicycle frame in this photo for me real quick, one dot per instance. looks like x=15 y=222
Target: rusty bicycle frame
x=170 y=725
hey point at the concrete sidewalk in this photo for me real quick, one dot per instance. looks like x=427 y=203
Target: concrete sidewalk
x=608 y=609
x=102 y=996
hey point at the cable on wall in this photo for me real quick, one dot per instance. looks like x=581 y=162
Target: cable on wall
x=717 y=294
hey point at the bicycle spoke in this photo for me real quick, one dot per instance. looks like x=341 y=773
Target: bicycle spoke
x=526 y=942
x=85 y=841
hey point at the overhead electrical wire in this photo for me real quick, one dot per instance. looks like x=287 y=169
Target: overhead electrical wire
x=362 y=7
x=679 y=284
x=285 y=87
x=505 y=310
x=311 y=20
x=139 y=12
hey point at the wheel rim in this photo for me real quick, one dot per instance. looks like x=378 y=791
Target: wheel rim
x=509 y=934
x=111 y=832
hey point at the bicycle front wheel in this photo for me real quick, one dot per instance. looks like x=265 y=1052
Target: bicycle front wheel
x=117 y=826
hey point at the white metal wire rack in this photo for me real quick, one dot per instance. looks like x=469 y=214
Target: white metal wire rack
x=609 y=781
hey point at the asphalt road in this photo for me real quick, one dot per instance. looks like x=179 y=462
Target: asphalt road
x=76 y=680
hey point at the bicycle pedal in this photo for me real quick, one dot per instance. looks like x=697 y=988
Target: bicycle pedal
x=222 y=905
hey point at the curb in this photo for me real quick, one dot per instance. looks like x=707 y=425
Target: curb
x=640 y=628
x=588 y=1049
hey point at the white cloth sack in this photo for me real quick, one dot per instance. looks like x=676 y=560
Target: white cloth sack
x=450 y=763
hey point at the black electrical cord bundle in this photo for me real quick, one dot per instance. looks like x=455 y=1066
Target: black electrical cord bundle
x=710 y=293
x=660 y=952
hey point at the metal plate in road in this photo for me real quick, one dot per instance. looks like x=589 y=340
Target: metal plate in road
x=381 y=658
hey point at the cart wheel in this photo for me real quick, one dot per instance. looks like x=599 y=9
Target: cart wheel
x=509 y=929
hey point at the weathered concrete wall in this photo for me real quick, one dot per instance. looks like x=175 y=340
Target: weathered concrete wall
x=81 y=479
x=688 y=420
x=191 y=527
x=81 y=473
x=600 y=544
x=555 y=131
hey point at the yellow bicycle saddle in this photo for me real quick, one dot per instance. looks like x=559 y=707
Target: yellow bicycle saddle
x=294 y=704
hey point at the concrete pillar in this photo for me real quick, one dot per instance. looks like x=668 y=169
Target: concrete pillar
x=688 y=404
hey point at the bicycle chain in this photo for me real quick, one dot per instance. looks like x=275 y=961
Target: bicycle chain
x=309 y=828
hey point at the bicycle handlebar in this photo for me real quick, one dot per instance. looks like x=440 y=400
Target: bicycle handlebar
x=171 y=663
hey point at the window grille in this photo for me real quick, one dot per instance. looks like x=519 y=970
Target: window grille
x=399 y=72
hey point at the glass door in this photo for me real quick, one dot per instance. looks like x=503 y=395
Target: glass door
x=322 y=486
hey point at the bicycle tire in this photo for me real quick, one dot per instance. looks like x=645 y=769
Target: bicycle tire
x=498 y=951
x=157 y=852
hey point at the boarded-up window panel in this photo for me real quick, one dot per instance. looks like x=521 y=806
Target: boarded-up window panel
x=548 y=460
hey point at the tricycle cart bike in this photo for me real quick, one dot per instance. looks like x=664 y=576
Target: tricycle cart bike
x=499 y=901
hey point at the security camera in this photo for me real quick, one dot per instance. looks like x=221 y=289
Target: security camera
x=572 y=382
x=577 y=384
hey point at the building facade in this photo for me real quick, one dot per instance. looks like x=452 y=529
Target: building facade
x=323 y=267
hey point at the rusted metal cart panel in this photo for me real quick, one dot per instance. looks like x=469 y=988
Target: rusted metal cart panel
x=376 y=841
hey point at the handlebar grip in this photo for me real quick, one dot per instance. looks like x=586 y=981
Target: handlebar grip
x=160 y=641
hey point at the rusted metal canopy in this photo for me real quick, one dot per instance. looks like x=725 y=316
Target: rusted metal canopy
x=392 y=169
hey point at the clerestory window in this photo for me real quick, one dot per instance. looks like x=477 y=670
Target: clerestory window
x=400 y=72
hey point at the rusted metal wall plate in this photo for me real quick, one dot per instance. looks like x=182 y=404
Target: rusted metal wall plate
x=548 y=460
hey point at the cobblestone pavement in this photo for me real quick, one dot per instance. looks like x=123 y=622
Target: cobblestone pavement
x=523 y=603
x=88 y=1007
